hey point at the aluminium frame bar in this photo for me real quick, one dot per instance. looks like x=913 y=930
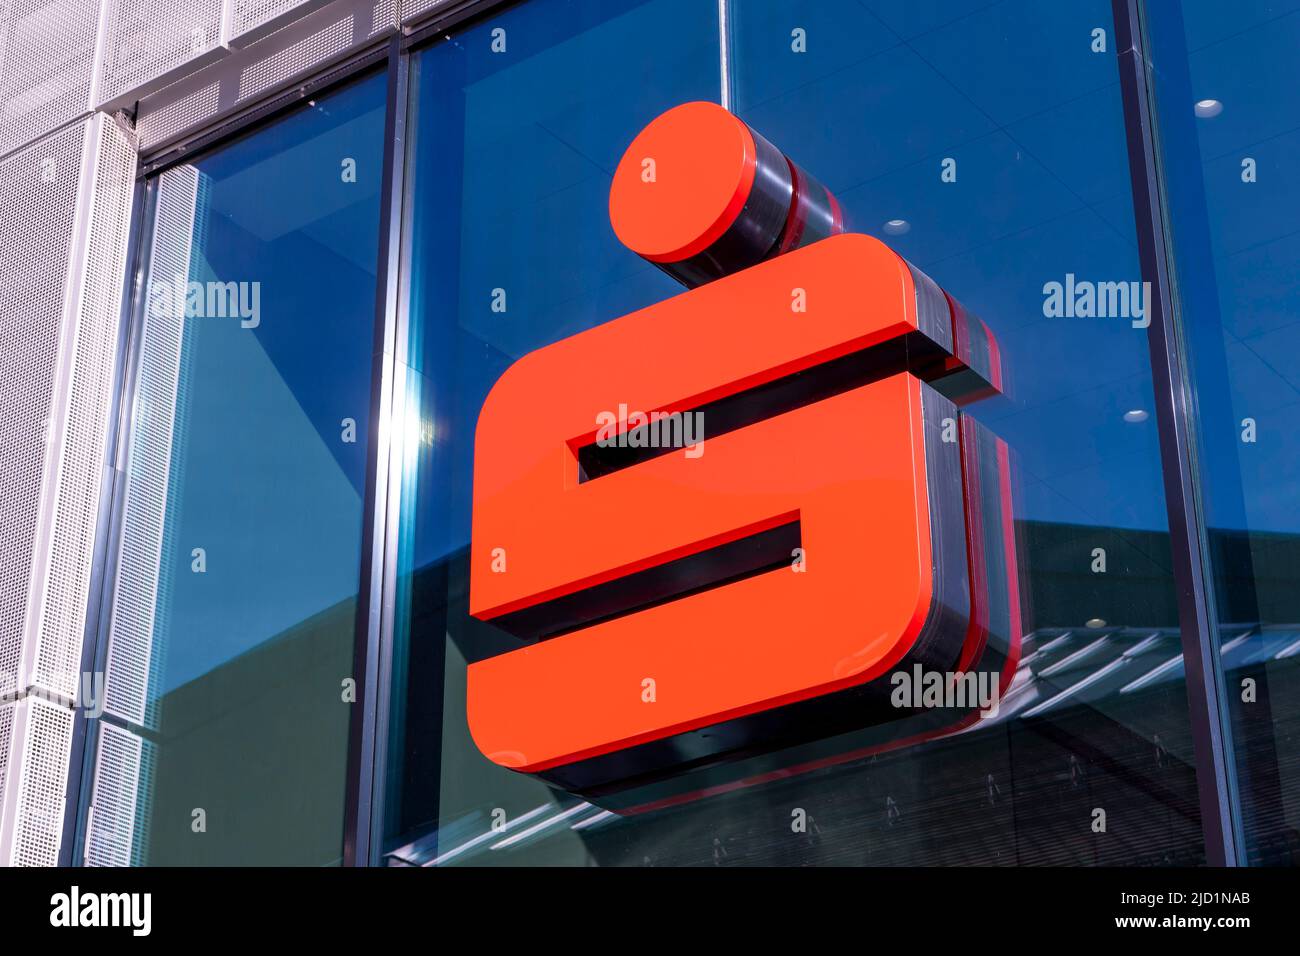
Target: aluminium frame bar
x=94 y=645
x=1211 y=734
x=375 y=598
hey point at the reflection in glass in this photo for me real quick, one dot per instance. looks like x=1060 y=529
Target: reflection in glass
x=1229 y=117
x=953 y=132
x=232 y=621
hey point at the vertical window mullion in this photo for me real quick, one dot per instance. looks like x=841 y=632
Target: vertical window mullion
x=1212 y=741
x=375 y=603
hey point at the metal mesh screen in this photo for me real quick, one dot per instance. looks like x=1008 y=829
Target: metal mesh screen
x=149 y=38
x=38 y=193
x=190 y=110
x=7 y=713
x=300 y=44
x=415 y=8
x=135 y=594
x=33 y=815
x=114 y=807
x=67 y=201
x=250 y=14
x=82 y=458
x=47 y=53
x=296 y=58
x=383 y=17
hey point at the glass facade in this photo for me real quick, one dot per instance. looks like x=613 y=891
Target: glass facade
x=1081 y=729
x=991 y=146
x=234 y=606
x=1228 y=117
x=508 y=190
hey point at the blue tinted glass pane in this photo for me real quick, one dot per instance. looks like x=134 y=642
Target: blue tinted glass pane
x=1228 y=114
x=983 y=142
x=247 y=476
x=510 y=164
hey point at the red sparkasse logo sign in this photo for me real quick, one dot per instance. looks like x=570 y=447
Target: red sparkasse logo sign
x=718 y=525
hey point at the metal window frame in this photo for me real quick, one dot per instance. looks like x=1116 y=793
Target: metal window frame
x=264 y=112
x=428 y=31
x=113 y=485
x=375 y=604
x=94 y=646
x=1216 y=778
x=361 y=843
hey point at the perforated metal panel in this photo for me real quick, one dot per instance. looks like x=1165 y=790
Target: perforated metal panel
x=383 y=17
x=82 y=407
x=149 y=40
x=47 y=52
x=248 y=14
x=250 y=20
x=36 y=780
x=192 y=109
x=303 y=49
x=112 y=836
x=148 y=468
x=412 y=9
x=67 y=202
x=8 y=711
x=38 y=193
x=318 y=47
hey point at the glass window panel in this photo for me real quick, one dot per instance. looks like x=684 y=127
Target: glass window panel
x=985 y=143
x=1229 y=120
x=234 y=606
x=510 y=163
x=507 y=205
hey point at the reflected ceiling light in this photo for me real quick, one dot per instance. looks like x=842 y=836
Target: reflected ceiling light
x=539 y=827
x=896 y=227
x=1095 y=622
x=1135 y=415
x=1207 y=108
x=490 y=834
